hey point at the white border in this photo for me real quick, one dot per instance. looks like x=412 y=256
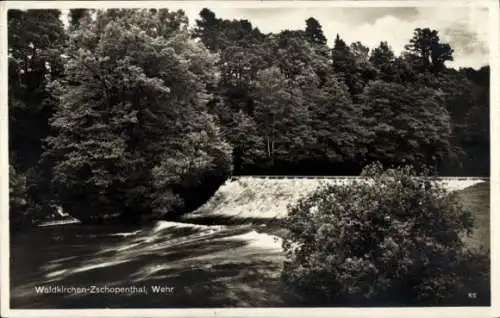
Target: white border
x=494 y=154
x=246 y=4
x=456 y=312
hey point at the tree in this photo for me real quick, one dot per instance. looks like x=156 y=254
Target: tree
x=429 y=53
x=282 y=117
x=298 y=59
x=36 y=40
x=459 y=93
x=195 y=163
x=314 y=32
x=247 y=142
x=475 y=138
x=218 y=34
x=125 y=121
x=382 y=55
x=336 y=124
x=76 y=15
x=341 y=56
x=477 y=117
x=406 y=124
x=404 y=74
x=352 y=66
x=359 y=51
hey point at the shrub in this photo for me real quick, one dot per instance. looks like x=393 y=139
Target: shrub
x=391 y=238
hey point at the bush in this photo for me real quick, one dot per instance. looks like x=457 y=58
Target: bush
x=389 y=239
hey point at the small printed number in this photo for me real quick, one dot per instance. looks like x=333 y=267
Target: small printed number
x=472 y=295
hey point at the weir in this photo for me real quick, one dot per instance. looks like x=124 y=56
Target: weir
x=267 y=197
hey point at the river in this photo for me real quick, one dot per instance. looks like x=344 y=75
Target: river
x=171 y=265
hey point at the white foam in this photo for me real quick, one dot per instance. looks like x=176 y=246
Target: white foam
x=161 y=225
x=125 y=234
x=98 y=265
x=259 y=240
x=56 y=273
x=249 y=197
x=59 y=222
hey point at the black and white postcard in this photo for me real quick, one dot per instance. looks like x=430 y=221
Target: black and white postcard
x=249 y=158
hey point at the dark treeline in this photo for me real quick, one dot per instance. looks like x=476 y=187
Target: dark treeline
x=289 y=104
x=130 y=113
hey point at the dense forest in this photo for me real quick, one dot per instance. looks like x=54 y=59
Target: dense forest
x=134 y=114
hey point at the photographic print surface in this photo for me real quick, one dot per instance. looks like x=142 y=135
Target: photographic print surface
x=213 y=156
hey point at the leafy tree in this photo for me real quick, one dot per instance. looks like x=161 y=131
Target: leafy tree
x=360 y=51
x=407 y=124
x=459 y=93
x=197 y=155
x=76 y=15
x=476 y=133
x=207 y=29
x=336 y=124
x=404 y=74
x=124 y=122
x=35 y=39
x=383 y=58
x=429 y=53
x=247 y=142
x=392 y=68
x=240 y=33
x=352 y=66
x=394 y=238
x=218 y=34
x=314 y=31
x=298 y=60
x=382 y=55
x=477 y=117
x=282 y=117
x=341 y=56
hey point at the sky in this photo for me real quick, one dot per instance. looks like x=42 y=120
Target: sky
x=464 y=28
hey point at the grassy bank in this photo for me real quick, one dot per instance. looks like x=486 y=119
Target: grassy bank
x=477 y=199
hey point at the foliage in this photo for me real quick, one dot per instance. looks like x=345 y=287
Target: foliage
x=406 y=124
x=129 y=134
x=281 y=116
x=35 y=43
x=341 y=142
x=218 y=34
x=427 y=51
x=394 y=238
x=76 y=16
x=352 y=64
x=314 y=31
x=247 y=143
x=312 y=72
x=36 y=40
